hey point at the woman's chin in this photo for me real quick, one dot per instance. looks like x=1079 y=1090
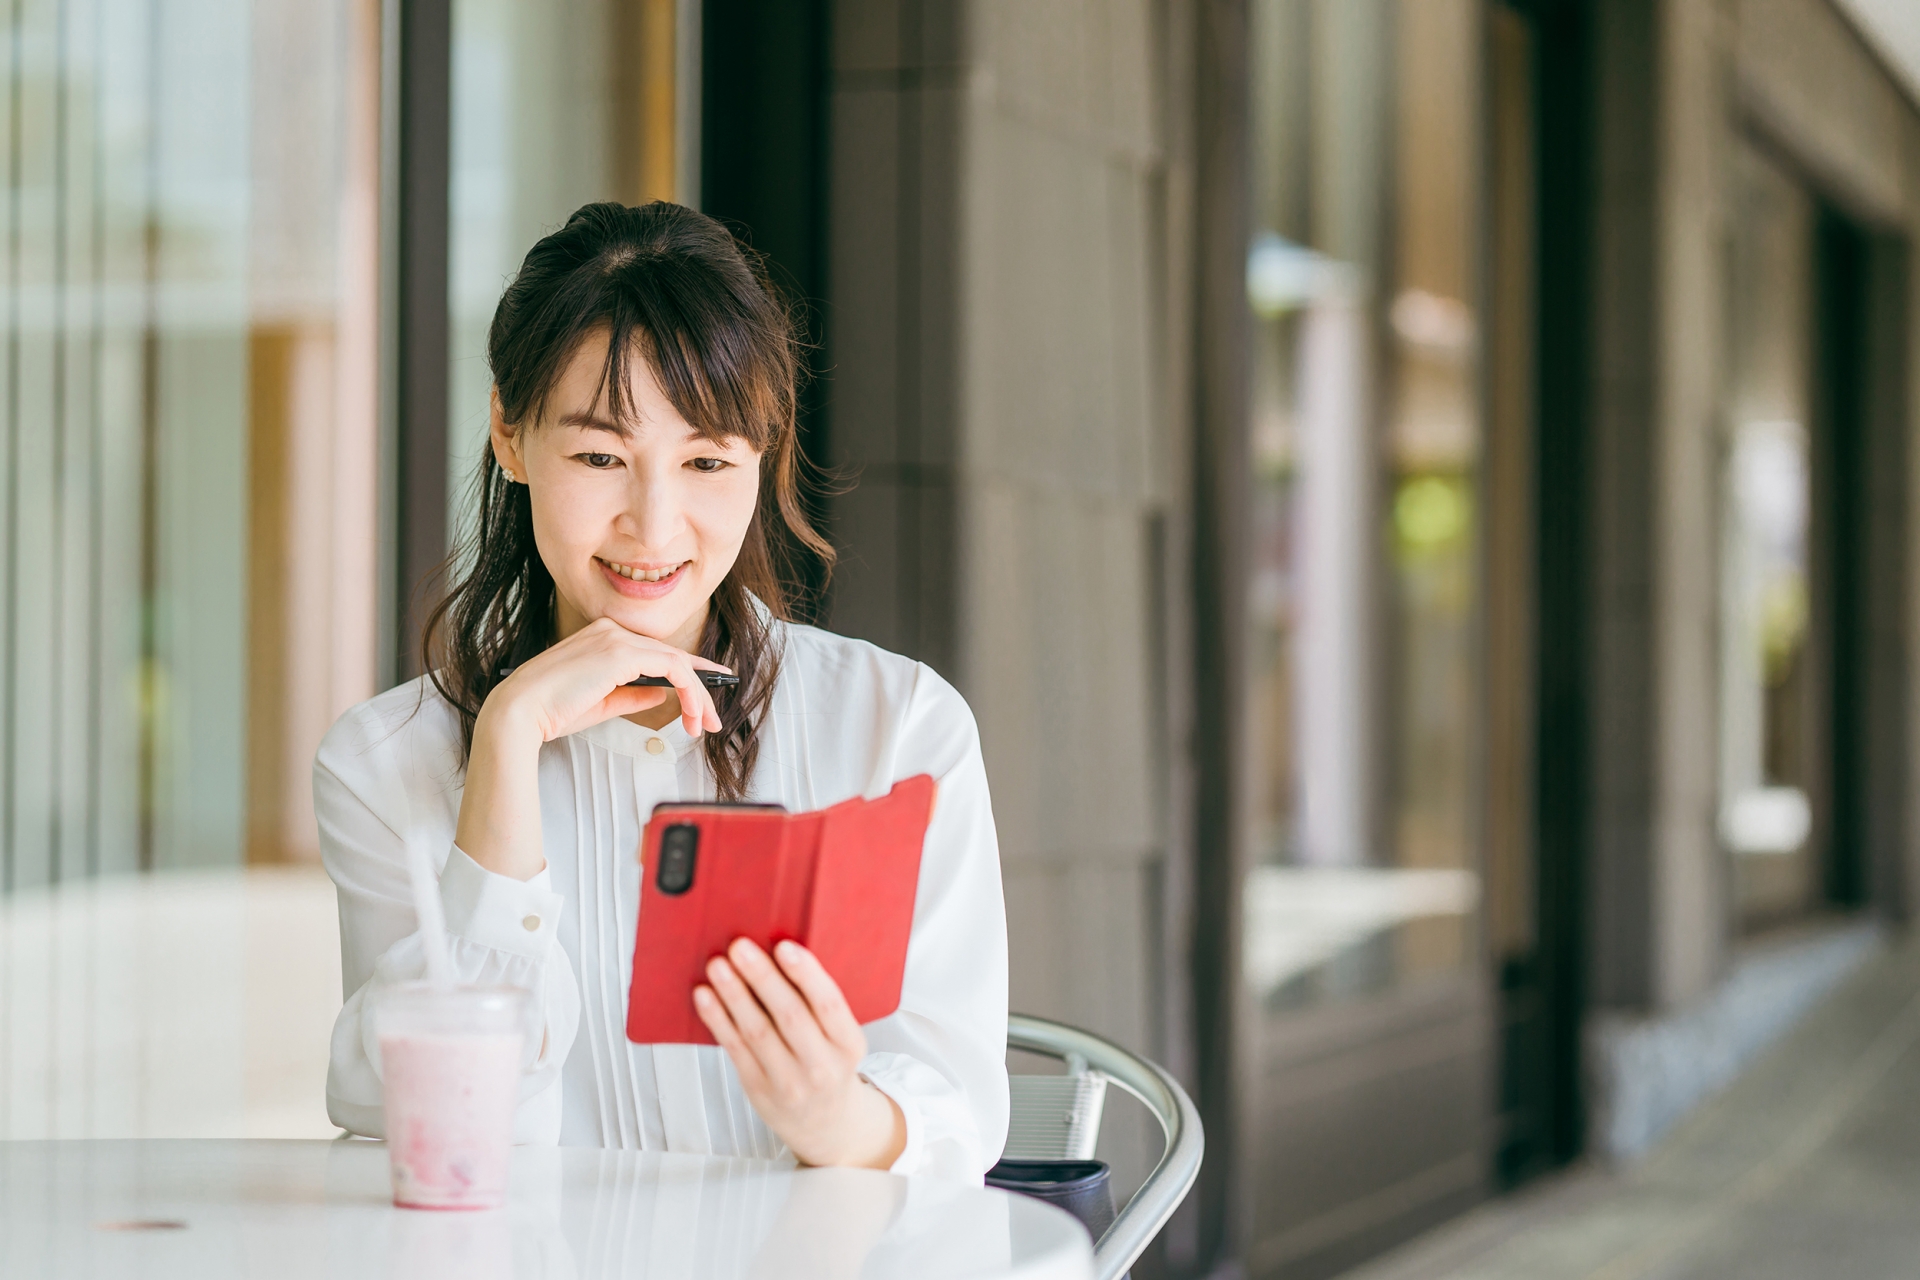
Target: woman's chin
x=657 y=620
x=661 y=618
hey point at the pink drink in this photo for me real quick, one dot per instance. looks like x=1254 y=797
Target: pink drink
x=450 y=1065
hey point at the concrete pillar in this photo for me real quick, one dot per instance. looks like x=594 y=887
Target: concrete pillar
x=1658 y=919
x=1000 y=385
x=1624 y=532
x=1677 y=80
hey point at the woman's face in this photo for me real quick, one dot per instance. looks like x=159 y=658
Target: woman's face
x=638 y=521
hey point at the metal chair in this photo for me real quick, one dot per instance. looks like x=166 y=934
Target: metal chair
x=1058 y=1117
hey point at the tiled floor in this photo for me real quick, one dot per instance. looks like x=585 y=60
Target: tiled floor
x=1809 y=1165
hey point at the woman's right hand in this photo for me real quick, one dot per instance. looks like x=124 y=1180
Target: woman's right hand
x=573 y=685
x=583 y=680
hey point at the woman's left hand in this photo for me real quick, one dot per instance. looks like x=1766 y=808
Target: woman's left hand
x=797 y=1048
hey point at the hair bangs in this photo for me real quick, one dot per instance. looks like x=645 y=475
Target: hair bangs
x=726 y=378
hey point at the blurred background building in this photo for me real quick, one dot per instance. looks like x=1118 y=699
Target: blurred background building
x=1418 y=493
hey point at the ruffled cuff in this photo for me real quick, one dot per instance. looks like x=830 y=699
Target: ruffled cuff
x=912 y=1155
x=516 y=916
x=942 y=1139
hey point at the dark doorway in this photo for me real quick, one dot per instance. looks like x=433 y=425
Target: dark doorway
x=1859 y=514
x=763 y=164
x=763 y=132
x=1543 y=55
x=1841 y=531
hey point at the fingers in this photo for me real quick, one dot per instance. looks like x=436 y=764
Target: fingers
x=788 y=1031
x=790 y=1011
x=727 y=1035
x=697 y=712
x=645 y=656
x=776 y=1001
x=584 y=679
x=823 y=994
x=757 y=1034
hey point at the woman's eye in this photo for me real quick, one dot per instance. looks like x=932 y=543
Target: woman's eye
x=708 y=465
x=598 y=461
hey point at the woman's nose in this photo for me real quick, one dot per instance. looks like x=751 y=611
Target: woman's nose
x=654 y=511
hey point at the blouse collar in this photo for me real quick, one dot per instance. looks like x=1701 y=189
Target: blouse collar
x=623 y=737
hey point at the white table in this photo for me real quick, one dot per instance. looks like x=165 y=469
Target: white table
x=210 y=1210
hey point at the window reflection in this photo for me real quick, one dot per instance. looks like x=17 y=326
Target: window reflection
x=553 y=107
x=1364 y=452
x=188 y=515
x=1767 y=690
x=189 y=447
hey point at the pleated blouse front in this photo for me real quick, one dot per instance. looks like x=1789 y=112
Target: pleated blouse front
x=615 y=779
x=846 y=719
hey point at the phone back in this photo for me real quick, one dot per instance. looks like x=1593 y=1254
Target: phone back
x=747 y=881
x=865 y=881
x=840 y=881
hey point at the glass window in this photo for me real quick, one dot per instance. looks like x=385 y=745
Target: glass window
x=188 y=550
x=187 y=510
x=1768 y=694
x=554 y=106
x=1364 y=440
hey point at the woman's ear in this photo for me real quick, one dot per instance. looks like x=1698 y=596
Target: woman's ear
x=506 y=441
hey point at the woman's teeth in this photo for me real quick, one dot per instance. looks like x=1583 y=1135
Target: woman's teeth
x=643 y=575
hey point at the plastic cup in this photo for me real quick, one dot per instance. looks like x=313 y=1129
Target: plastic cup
x=450 y=1067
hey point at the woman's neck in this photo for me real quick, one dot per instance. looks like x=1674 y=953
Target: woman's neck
x=567 y=620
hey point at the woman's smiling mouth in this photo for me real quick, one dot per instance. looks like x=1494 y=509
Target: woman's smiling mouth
x=639 y=579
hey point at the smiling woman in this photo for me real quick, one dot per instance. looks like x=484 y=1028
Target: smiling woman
x=615 y=468
x=639 y=515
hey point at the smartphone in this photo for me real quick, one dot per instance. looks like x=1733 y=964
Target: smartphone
x=840 y=881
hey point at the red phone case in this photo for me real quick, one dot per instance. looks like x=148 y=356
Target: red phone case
x=839 y=881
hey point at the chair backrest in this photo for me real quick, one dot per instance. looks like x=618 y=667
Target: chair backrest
x=1056 y=1117
x=1088 y=1055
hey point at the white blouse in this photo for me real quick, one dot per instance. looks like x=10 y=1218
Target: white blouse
x=847 y=719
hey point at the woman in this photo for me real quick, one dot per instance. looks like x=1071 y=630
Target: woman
x=638 y=509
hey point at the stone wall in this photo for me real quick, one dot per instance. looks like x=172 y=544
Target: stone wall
x=1680 y=81
x=1002 y=386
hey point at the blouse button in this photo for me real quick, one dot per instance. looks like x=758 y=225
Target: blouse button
x=655 y=746
x=530 y=924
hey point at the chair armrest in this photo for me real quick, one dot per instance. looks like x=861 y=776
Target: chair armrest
x=1179 y=1166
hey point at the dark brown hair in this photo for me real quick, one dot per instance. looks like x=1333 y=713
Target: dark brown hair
x=674 y=287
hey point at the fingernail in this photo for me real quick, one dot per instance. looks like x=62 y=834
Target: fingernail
x=788 y=950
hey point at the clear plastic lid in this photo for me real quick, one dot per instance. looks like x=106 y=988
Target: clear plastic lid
x=422 y=1009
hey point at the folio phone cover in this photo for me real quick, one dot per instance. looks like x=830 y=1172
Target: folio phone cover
x=839 y=881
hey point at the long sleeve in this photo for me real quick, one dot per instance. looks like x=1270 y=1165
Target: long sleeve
x=379 y=792
x=942 y=1056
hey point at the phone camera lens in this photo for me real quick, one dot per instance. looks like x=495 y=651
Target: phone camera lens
x=678 y=845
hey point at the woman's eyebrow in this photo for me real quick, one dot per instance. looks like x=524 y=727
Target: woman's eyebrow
x=593 y=422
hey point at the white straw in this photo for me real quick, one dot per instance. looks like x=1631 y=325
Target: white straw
x=433 y=924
